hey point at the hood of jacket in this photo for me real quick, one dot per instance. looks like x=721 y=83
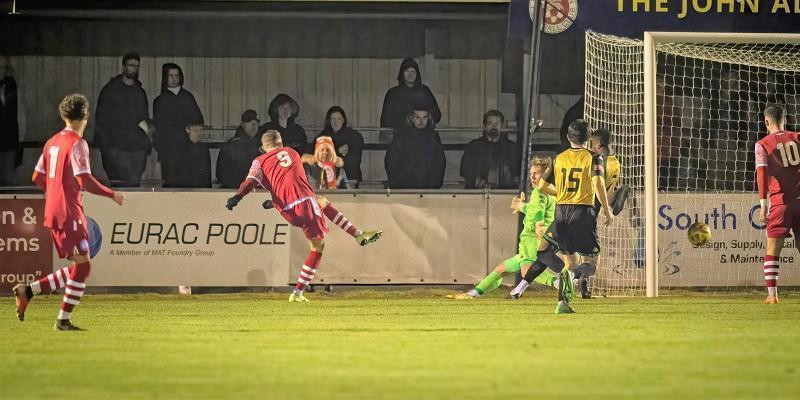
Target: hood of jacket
x=406 y=64
x=282 y=98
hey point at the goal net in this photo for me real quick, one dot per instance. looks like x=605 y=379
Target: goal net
x=706 y=94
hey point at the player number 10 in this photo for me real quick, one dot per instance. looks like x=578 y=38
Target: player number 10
x=789 y=153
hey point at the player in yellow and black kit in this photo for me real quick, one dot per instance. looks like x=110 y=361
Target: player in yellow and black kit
x=579 y=177
x=599 y=143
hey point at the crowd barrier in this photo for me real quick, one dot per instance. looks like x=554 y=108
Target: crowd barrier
x=169 y=238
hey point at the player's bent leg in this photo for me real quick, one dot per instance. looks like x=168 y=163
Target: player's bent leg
x=52 y=282
x=362 y=237
x=490 y=282
x=546 y=260
x=548 y=277
x=583 y=272
x=618 y=199
x=530 y=274
x=771 y=268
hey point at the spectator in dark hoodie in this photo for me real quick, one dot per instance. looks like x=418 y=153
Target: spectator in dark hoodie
x=237 y=154
x=347 y=142
x=282 y=112
x=415 y=159
x=121 y=126
x=10 y=149
x=492 y=161
x=185 y=162
x=409 y=92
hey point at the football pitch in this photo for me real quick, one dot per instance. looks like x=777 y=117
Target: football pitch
x=403 y=345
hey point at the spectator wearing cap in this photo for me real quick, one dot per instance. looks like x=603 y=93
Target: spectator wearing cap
x=415 y=159
x=324 y=167
x=409 y=92
x=121 y=125
x=238 y=153
x=347 y=141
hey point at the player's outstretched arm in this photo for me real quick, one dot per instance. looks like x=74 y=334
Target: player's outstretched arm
x=93 y=186
x=246 y=187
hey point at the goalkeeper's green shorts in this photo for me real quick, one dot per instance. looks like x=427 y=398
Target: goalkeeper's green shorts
x=514 y=264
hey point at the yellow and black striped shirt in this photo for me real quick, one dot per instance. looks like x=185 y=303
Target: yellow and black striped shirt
x=613 y=168
x=574 y=169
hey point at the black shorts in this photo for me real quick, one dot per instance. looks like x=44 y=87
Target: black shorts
x=574 y=230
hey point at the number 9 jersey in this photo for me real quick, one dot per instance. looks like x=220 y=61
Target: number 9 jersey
x=574 y=169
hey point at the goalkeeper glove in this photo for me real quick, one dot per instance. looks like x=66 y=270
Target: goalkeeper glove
x=267 y=204
x=233 y=201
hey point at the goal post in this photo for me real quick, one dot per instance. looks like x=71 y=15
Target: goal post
x=684 y=109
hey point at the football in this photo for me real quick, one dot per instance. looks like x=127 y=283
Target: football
x=699 y=234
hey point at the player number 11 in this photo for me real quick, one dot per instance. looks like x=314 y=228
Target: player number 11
x=789 y=153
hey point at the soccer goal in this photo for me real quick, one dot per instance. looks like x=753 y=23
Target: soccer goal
x=686 y=110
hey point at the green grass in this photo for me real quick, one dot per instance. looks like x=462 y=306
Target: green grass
x=402 y=345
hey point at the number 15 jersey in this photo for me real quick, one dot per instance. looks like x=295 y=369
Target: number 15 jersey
x=574 y=169
x=779 y=152
x=281 y=172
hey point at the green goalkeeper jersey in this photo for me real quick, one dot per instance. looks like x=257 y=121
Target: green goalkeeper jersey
x=540 y=207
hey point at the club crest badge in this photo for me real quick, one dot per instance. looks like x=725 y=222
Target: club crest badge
x=558 y=14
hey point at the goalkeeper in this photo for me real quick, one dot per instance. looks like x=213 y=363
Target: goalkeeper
x=539 y=213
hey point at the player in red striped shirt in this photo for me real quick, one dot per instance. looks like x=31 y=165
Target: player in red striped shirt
x=63 y=171
x=280 y=171
x=778 y=174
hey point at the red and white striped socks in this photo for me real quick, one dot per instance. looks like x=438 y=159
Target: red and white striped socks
x=74 y=290
x=307 y=272
x=771 y=274
x=340 y=220
x=73 y=278
x=51 y=282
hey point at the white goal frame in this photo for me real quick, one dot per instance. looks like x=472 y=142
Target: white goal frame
x=651 y=39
